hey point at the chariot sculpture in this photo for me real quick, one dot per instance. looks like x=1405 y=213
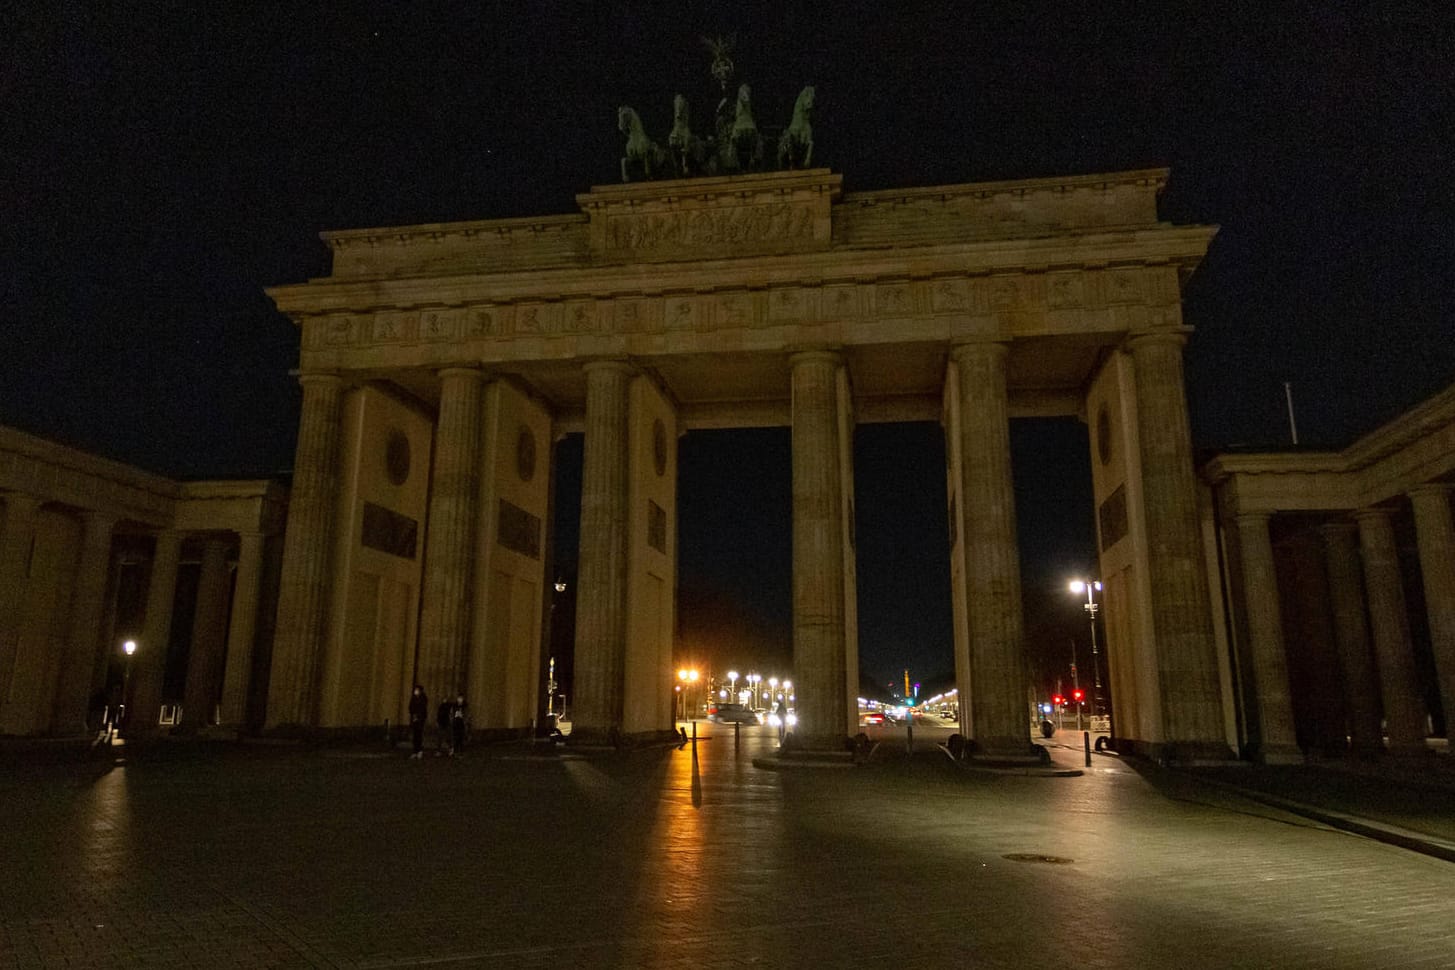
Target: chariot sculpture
x=735 y=145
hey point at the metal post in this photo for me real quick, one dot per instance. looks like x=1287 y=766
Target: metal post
x=1086 y=743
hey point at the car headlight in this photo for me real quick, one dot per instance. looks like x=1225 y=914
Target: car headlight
x=792 y=720
x=774 y=720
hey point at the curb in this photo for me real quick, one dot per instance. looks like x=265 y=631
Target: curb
x=1378 y=831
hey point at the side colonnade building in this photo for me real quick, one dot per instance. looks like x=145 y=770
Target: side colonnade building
x=1339 y=573
x=441 y=363
x=91 y=551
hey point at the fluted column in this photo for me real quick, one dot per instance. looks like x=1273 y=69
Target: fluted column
x=819 y=669
x=83 y=630
x=1001 y=720
x=303 y=593
x=1276 y=736
x=1436 y=537
x=601 y=594
x=209 y=629
x=1186 y=655
x=1404 y=715
x=15 y=544
x=149 y=666
x=1351 y=633
x=447 y=603
x=242 y=629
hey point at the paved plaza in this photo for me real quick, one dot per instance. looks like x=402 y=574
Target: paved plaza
x=194 y=855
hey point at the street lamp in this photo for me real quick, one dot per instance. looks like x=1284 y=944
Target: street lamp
x=687 y=677
x=128 y=648
x=1091 y=606
x=733 y=678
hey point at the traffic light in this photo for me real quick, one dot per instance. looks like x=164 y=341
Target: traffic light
x=1078 y=695
x=1058 y=700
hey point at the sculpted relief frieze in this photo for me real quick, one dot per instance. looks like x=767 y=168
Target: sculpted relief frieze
x=1017 y=302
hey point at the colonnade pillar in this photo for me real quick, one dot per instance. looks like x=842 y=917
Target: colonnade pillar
x=820 y=664
x=209 y=629
x=1404 y=715
x=447 y=600
x=1000 y=720
x=15 y=545
x=242 y=629
x=1435 y=534
x=149 y=665
x=83 y=632
x=1277 y=740
x=303 y=596
x=1351 y=633
x=602 y=578
x=1186 y=655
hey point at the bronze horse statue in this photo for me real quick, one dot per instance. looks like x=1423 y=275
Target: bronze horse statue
x=643 y=157
x=795 y=147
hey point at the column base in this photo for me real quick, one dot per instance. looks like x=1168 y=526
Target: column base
x=613 y=738
x=797 y=744
x=1279 y=754
x=1004 y=753
x=1189 y=754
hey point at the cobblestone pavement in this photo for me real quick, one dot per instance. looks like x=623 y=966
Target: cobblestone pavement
x=261 y=856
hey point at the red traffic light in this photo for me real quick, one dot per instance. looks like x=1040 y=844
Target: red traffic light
x=1078 y=695
x=1058 y=700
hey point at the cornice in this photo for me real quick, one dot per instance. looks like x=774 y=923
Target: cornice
x=1183 y=246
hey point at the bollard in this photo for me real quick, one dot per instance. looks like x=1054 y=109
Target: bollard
x=694 y=730
x=909 y=734
x=737 y=735
x=1086 y=743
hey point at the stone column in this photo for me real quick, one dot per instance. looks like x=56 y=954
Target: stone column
x=242 y=629
x=819 y=669
x=209 y=631
x=1000 y=716
x=1404 y=715
x=303 y=595
x=1436 y=537
x=1276 y=738
x=447 y=603
x=601 y=592
x=83 y=631
x=149 y=665
x=1186 y=655
x=1351 y=633
x=15 y=547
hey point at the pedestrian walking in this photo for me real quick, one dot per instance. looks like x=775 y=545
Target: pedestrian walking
x=459 y=720
x=442 y=721
x=418 y=711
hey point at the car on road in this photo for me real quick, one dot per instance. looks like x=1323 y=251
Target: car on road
x=735 y=714
x=871 y=718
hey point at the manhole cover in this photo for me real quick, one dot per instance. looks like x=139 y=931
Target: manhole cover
x=1054 y=860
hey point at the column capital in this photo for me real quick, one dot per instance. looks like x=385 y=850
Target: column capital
x=821 y=354
x=1373 y=513
x=616 y=364
x=1162 y=335
x=461 y=371
x=965 y=348
x=324 y=379
x=1426 y=489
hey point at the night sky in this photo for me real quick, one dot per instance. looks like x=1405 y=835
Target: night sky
x=162 y=163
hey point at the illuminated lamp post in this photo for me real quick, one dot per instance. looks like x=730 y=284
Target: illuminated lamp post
x=1092 y=607
x=128 y=648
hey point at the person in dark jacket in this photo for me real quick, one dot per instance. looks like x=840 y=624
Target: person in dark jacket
x=418 y=711
x=442 y=721
x=459 y=714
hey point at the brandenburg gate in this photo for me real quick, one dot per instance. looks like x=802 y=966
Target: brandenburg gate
x=440 y=363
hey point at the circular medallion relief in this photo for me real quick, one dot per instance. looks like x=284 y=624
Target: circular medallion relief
x=396 y=457
x=1103 y=435
x=525 y=454
x=659 y=447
